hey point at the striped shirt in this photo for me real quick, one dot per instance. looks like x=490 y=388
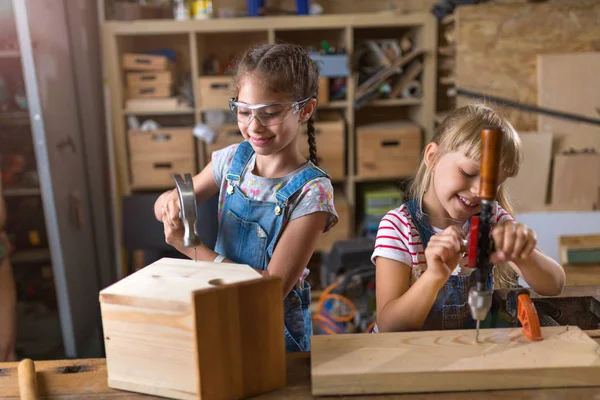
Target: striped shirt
x=398 y=239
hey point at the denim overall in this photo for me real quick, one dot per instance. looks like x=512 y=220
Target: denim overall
x=450 y=309
x=249 y=230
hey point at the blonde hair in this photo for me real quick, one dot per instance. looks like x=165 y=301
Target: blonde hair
x=461 y=131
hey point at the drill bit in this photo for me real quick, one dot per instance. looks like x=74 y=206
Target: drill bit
x=477 y=332
x=195 y=259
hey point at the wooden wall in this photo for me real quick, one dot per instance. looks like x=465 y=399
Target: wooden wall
x=497 y=47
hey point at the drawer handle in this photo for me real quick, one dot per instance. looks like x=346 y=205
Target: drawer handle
x=390 y=143
x=219 y=85
x=146 y=90
x=161 y=137
x=166 y=165
x=148 y=77
x=142 y=61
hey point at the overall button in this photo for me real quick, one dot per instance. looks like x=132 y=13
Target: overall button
x=277 y=210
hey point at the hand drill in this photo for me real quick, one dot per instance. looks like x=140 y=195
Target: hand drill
x=480 y=243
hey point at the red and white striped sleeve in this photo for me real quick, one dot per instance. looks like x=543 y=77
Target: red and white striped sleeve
x=501 y=215
x=394 y=237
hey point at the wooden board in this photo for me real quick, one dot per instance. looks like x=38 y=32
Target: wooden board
x=447 y=361
x=569 y=83
x=169 y=282
x=497 y=47
x=529 y=188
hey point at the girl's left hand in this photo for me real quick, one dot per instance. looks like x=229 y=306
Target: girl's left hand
x=513 y=242
x=173 y=234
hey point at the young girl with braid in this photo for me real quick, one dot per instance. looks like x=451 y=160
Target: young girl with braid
x=273 y=203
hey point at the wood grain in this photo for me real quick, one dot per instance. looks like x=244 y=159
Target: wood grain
x=446 y=361
x=86 y=379
x=497 y=47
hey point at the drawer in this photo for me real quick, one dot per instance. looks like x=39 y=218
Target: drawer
x=149 y=90
x=226 y=136
x=161 y=143
x=144 y=78
x=149 y=173
x=214 y=92
x=388 y=150
x=144 y=62
x=329 y=136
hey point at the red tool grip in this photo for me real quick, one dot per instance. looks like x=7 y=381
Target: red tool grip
x=472 y=242
x=529 y=318
x=491 y=140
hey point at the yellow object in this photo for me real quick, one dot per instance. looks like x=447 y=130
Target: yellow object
x=202 y=9
x=34 y=238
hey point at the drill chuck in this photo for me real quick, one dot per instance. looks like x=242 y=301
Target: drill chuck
x=480 y=301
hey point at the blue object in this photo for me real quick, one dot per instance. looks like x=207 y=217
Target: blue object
x=254 y=6
x=331 y=65
x=303 y=6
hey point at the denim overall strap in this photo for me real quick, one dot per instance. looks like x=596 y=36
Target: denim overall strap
x=242 y=155
x=450 y=309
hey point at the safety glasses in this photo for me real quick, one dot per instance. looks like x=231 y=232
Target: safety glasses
x=267 y=114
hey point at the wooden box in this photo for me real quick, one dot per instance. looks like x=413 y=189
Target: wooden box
x=227 y=135
x=144 y=62
x=149 y=90
x=329 y=135
x=156 y=155
x=142 y=78
x=388 y=150
x=214 y=92
x=194 y=330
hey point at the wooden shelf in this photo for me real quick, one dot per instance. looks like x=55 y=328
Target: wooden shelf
x=14 y=116
x=8 y=192
x=10 y=54
x=30 y=256
x=394 y=102
x=175 y=111
x=379 y=179
x=334 y=104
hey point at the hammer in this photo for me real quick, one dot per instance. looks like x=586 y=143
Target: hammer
x=187 y=213
x=27 y=380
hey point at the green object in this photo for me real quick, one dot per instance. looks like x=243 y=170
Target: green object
x=325 y=46
x=583 y=256
x=380 y=201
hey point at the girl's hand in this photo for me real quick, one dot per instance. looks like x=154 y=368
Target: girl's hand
x=173 y=234
x=444 y=252
x=513 y=242
x=170 y=211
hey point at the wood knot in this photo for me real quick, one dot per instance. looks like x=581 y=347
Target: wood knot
x=216 y=282
x=72 y=369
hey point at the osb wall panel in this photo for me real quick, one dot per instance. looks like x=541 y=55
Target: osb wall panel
x=497 y=47
x=339 y=6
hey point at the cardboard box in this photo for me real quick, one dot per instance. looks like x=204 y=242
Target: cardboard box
x=194 y=330
x=214 y=92
x=388 y=150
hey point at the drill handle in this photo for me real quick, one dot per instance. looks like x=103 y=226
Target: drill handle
x=491 y=141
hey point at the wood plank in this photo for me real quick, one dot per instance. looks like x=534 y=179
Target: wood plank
x=529 y=188
x=498 y=44
x=582 y=275
x=86 y=379
x=569 y=83
x=447 y=361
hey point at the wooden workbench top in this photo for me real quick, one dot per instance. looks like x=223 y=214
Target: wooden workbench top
x=86 y=379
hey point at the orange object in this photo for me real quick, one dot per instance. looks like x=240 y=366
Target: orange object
x=528 y=316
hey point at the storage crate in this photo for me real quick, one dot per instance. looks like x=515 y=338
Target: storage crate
x=143 y=78
x=149 y=91
x=144 y=62
x=329 y=136
x=388 y=150
x=214 y=92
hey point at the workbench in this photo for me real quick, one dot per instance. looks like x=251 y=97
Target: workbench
x=87 y=379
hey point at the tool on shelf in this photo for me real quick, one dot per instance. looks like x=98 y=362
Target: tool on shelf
x=480 y=242
x=187 y=213
x=27 y=380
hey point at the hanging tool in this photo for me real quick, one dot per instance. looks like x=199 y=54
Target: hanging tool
x=187 y=213
x=480 y=250
x=27 y=380
x=519 y=304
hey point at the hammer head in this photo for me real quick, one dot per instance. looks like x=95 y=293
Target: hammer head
x=187 y=205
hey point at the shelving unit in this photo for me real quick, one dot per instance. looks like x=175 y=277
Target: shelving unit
x=222 y=38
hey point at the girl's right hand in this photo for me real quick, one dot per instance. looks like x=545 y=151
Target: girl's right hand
x=170 y=210
x=443 y=253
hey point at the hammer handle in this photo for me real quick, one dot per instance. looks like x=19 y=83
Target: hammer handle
x=27 y=380
x=491 y=140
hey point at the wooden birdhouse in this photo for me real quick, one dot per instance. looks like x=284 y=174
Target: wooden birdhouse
x=194 y=330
